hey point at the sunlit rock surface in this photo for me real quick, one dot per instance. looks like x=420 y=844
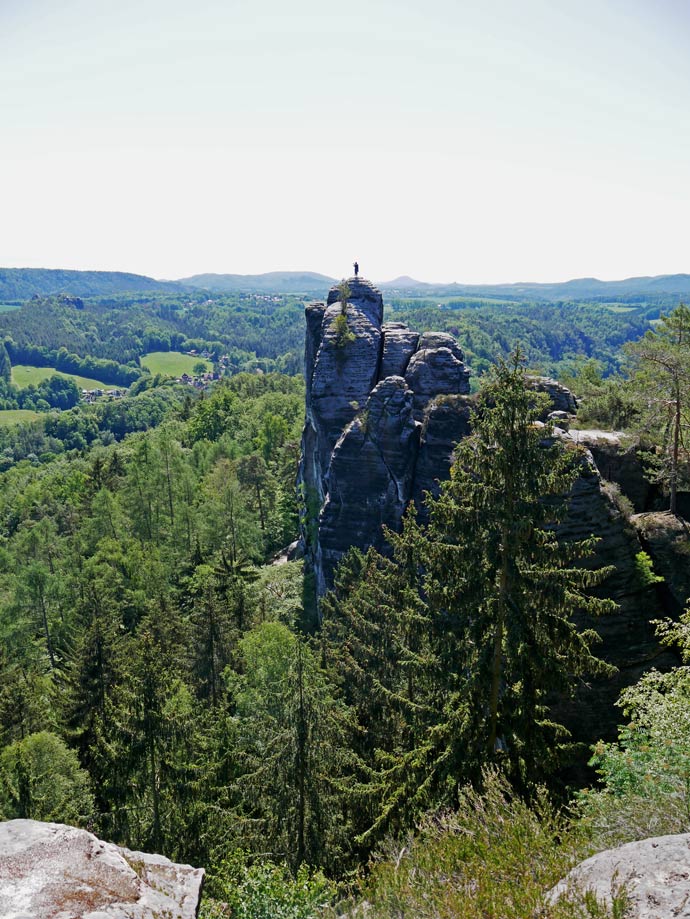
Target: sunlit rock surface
x=52 y=871
x=654 y=872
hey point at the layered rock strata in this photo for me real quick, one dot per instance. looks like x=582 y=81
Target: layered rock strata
x=384 y=411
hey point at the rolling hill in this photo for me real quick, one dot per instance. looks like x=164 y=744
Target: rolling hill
x=24 y=283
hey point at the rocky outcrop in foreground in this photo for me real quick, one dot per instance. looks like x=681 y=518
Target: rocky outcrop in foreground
x=52 y=871
x=654 y=873
x=385 y=407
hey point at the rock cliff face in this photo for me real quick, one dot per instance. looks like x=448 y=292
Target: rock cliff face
x=384 y=410
x=628 y=639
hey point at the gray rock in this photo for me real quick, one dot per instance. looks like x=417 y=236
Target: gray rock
x=665 y=537
x=562 y=400
x=628 y=639
x=399 y=344
x=52 y=871
x=618 y=459
x=434 y=371
x=370 y=476
x=655 y=873
x=446 y=422
x=361 y=435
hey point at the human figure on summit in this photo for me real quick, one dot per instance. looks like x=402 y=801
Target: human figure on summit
x=356 y=267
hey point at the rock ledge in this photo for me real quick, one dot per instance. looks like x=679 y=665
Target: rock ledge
x=53 y=871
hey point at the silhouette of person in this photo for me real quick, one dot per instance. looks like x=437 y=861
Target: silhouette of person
x=356 y=267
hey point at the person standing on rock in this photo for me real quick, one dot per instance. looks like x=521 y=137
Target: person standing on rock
x=356 y=267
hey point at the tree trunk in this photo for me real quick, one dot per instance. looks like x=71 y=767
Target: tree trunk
x=676 y=450
x=497 y=663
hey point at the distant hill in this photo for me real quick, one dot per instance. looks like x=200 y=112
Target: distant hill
x=18 y=284
x=274 y=282
x=23 y=283
x=576 y=289
x=404 y=282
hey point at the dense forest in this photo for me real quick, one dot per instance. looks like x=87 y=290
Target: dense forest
x=161 y=685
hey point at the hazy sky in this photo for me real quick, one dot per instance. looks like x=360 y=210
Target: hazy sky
x=445 y=139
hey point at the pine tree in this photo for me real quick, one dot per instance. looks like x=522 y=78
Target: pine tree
x=293 y=745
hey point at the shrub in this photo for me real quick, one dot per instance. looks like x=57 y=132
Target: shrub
x=265 y=891
x=646 y=773
x=341 y=331
x=495 y=857
x=41 y=779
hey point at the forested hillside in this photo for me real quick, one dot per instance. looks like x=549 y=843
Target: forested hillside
x=18 y=284
x=161 y=683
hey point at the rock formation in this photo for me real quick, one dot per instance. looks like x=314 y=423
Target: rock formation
x=386 y=407
x=52 y=871
x=654 y=873
x=628 y=636
x=384 y=411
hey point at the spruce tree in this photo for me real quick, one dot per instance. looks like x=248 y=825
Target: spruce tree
x=450 y=650
x=502 y=587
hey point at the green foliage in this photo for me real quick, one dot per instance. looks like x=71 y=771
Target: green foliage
x=492 y=857
x=644 y=571
x=41 y=779
x=555 y=338
x=265 y=891
x=293 y=735
x=341 y=332
x=661 y=379
x=127 y=584
x=451 y=650
x=5 y=364
x=645 y=774
x=256 y=332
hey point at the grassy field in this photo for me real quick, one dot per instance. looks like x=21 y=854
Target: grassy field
x=171 y=363
x=16 y=415
x=23 y=375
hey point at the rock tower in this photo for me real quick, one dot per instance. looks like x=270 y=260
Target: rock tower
x=384 y=408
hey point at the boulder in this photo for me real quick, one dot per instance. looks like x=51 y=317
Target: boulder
x=617 y=457
x=655 y=874
x=666 y=538
x=53 y=871
x=562 y=400
x=446 y=422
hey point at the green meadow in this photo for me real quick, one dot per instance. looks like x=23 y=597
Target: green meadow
x=16 y=415
x=172 y=363
x=23 y=375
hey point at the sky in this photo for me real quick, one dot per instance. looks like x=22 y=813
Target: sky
x=479 y=142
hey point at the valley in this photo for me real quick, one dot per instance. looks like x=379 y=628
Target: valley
x=200 y=701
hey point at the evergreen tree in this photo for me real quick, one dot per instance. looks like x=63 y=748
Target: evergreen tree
x=661 y=378
x=451 y=649
x=293 y=746
x=502 y=587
